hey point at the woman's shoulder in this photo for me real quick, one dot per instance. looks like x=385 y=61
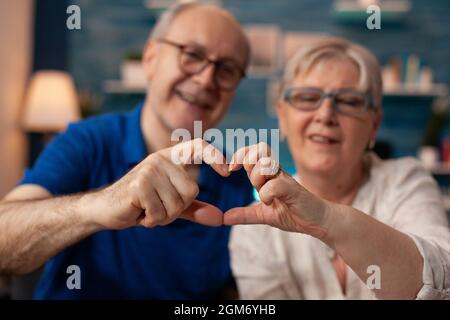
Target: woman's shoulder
x=399 y=170
x=395 y=184
x=401 y=183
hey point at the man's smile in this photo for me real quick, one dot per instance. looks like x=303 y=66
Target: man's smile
x=192 y=100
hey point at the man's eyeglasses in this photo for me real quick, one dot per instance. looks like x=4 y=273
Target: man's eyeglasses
x=193 y=60
x=346 y=101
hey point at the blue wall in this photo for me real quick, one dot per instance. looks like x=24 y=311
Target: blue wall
x=112 y=27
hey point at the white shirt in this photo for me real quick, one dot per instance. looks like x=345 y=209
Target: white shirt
x=269 y=263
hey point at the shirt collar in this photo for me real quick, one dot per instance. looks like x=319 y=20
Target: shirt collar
x=134 y=148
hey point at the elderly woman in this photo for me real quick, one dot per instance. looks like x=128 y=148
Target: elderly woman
x=348 y=225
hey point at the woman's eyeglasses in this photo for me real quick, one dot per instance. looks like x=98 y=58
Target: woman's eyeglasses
x=347 y=101
x=193 y=60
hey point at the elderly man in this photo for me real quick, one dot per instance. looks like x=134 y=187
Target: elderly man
x=101 y=204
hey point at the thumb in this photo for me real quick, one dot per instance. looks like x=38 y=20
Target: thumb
x=244 y=215
x=203 y=213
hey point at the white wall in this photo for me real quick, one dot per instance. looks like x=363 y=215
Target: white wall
x=16 y=35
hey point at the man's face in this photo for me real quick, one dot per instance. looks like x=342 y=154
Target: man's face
x=177 y=98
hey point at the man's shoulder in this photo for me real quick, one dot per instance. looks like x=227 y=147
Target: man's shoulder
x=105 y=130
x=106 y=123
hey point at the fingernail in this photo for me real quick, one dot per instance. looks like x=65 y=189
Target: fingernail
x=230 y=165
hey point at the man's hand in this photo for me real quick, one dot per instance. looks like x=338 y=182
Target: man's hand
x=158 y=190
x=285 y=204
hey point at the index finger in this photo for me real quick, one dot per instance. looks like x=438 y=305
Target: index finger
x=248 y=156
x=197 y=151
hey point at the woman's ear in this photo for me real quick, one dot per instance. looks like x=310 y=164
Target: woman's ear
x=378 y=116
x=149 y=59
x=281 y=119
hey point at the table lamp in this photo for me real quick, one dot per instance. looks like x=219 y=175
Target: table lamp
x=51 y=102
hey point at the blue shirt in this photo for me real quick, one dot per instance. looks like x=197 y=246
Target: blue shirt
x=182 y=260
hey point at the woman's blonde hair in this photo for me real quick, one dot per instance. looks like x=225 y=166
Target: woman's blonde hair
x=370 y=80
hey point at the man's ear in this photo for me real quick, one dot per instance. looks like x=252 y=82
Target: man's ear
x=149 y=59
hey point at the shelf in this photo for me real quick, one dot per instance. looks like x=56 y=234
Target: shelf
x=355 y=11
x=159 y=6
x=439 y=169
x=119 y=87
x=436 y=90
x=388 y=5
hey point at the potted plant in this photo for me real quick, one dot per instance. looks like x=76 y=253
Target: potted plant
x=90 y=103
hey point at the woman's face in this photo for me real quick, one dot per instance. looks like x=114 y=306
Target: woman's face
x=324 y=141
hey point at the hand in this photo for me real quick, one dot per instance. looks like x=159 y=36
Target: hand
x=158 y=190
x=285 y=204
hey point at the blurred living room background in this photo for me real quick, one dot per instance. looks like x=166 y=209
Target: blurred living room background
x=53 y=74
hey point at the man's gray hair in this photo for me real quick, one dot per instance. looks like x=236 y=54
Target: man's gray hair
x=165 y=20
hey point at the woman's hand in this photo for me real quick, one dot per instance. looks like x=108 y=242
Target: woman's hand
x=285 y=204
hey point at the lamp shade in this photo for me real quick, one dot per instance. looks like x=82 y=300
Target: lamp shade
x=51 y=102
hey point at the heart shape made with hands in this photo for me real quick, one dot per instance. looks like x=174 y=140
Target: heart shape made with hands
x=259 y=167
